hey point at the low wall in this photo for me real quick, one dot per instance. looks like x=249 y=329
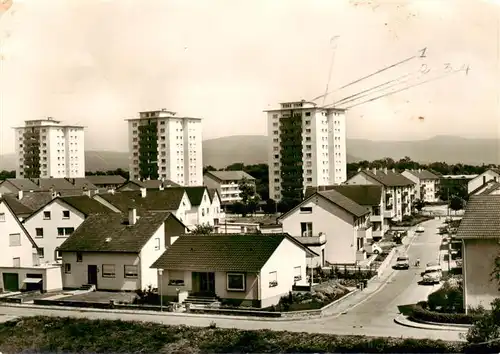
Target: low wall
x=387 y=262
x=100 y=305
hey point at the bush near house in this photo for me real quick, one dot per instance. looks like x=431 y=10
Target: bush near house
x=420 y=313
x=54 y=334
x=317 y=299
x=412 y=220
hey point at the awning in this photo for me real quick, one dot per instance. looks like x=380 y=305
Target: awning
x=32 y=280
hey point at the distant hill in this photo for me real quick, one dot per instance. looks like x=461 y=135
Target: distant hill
x=252 y=149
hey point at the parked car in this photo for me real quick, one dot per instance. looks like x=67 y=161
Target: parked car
x=420 y=229
x=432 y=274
x=374 y=248
x=402 y=262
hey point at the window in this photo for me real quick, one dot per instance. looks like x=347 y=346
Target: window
x=273 y=279
x=130 y=271
x=40 y=252
x=108 y=270
x=307 y=210
x=39 y=232
x=2 y=217
x=16 y=262
x=14 y=240
x=175 y=277
x=235 y=282
x=79 y=257
x=46 y=215
x=297 y=273
x=67 y=268
x=306 y=229
x=65 y=214
x=157 y=243
x=65 y=231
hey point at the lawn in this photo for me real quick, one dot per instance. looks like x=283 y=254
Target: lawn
x=56 y=335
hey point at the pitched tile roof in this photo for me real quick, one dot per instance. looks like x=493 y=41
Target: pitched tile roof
x=23 y=184
x=481 y=218
x=212 y=192
x=389 y=179
x=483 y=187
x=236 y=252
x=82 y=183
x=423 y=174
x=36 y=200
x=367 y=195
x=492 y=188
x=111 y=233
x=195 y=194
x=108 y=179
x=168 y=199
x=86 y=205
x=151 y=184
x=17 y=207
x=345 y=203
x=230 y=175
x=57 y=184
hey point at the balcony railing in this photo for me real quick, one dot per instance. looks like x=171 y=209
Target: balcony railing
x=312 y=240
x=364 y=231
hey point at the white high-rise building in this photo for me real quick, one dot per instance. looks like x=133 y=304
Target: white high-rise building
x=307 y=148
x=163 y=145
x=45 y=148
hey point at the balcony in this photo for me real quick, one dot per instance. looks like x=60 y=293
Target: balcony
x=389 y=213
x=312 y=240
x=365 y=232
x=377 y=234
x=376 y=218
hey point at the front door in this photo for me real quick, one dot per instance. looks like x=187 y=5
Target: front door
x=207 y=283
x=92 y=275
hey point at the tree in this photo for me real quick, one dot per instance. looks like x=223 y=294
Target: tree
x=208 y=168
x=456 y=203
x=270 y=207
x=419 y=204
x=203 y=229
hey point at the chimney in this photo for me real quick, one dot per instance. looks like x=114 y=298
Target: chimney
x=20 y=195
x=111 y=191
x=86 y=192
x=132 y=216
x=143 y=192
x=385 y=170
x=374 y=171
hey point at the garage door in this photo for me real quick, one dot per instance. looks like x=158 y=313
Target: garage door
x=11 y=281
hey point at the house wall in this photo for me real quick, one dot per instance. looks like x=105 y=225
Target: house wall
x=173 y=229
x=285 y=258
x=429 y=191
x=52 y=280
x=216 y=210
x=24 y=252
x=414 y=179
x=479 y=180
x=236 y=228
x=479 y=260
x=149 y=254
x=51 y=240
x=336 y=223
x=184 y=208
x=204 y=210
x=79 y=273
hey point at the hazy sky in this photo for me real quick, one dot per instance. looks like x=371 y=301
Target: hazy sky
x=97 y=62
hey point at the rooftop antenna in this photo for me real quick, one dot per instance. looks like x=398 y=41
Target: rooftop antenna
x=333 y=44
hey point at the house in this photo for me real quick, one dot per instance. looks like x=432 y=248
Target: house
x=55 y=221
x=369 y=196
x=18 y=247
x=115 y=252
x=426 y=184
x=227 y=183
x=332 y=225
x=485 y=189
x=217 y=212
x=174 y=200
x=482 y=179
x=106 y=182
x=14 y=185
x=399 y=191
x=492 y=189
x=479 y=231
x=135 y=185
x=245 y=270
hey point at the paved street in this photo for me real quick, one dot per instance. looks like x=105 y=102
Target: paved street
x=372 y=316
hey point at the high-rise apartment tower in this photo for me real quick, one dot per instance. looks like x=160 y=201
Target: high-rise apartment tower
x=163 y=145
x=307 y=148
x=45 y=148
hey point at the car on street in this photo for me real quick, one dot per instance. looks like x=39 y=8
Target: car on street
x=374 y=248
x=402 y=262
x=432 y=274
x=420 y=229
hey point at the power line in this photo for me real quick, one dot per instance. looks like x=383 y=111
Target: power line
x=421 y=54
x=404 y=88
x=334 y=48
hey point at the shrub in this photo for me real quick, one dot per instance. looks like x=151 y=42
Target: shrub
x=447 y=299
x=419 y=313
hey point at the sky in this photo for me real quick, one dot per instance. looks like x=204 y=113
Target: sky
x=97 y=62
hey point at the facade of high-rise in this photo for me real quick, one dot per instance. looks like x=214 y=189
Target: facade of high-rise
x=45 y=148
x=307 y=148
x=163 y=145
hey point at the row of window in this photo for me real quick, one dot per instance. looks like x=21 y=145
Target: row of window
x=61 y=231
x=109 y=271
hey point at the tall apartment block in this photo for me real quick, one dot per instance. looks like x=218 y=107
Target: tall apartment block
x=163 y=145
x=45 y=148
x=307 y=148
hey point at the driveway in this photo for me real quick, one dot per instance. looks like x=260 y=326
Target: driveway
x=373 y=316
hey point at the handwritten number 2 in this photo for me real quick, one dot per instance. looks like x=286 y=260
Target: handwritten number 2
x=424 y=69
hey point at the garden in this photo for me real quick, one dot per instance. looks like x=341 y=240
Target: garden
x=412 y=220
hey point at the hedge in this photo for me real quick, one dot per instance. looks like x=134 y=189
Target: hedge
x=419 y=313
x=79 y=335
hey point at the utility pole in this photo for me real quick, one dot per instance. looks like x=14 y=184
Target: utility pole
x=449 y=233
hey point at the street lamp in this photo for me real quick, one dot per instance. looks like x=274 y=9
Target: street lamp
x=160 y=273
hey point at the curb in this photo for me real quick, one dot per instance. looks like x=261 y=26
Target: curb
x=405 y=321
